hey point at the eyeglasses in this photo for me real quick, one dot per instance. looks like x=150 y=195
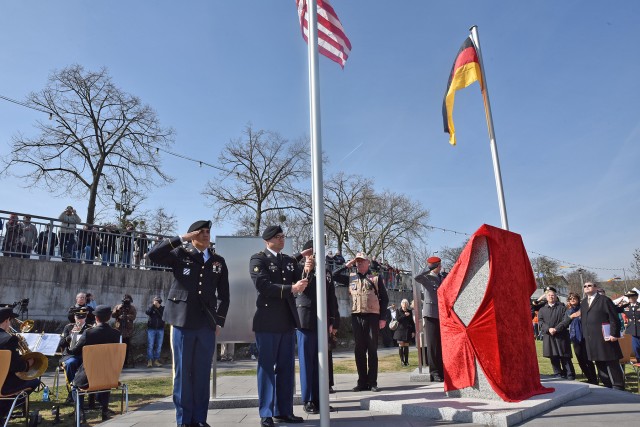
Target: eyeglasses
x=279 y=236
x=588 y=286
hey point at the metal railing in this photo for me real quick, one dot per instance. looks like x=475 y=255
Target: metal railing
x=50 y=239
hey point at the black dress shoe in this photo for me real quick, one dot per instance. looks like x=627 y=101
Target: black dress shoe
x=374 y=388
x=200 y=425
x=106 y=414
x=266 y=422
x=360 y=388
x=289 y=419
x=310 y=408
x=331 y=390
x=183 y=425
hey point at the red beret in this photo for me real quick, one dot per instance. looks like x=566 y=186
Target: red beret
x=433 y=260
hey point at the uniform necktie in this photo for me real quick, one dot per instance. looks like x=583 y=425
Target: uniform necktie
x=202 y=257
x=279 y=257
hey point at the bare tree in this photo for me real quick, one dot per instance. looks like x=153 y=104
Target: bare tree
x=96 y=130
x=258 y=174
x=345 y=201
x=162 y=222
x=635 y=264
x=545 y=269
x=578 y=277
x=449 y=255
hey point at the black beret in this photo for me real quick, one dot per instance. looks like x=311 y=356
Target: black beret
x=102 y=311
x=198 y=225
x=308 y=245
x=271 y=231
x=7 y=313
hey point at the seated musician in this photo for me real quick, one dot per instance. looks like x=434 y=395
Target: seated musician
x=9 y=341
x=69 y=336
x=101 y=333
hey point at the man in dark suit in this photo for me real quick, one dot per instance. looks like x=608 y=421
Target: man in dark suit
x=596 y=311
x=10 y=342
x=277 y=277
x=430 y=280
x=101 y=333
x=307 y=334
x=196 y=307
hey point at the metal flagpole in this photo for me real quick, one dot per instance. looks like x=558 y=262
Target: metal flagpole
x=492 y=136
x=318 y=212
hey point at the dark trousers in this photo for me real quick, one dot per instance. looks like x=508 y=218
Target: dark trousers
x=81 y=381
x=610 y=373
x=192 y=355
x=308 y=361
x=434 y=346
x=562 y=366
x=330 y=366
x=276 y=371
x=365 y=333
x=635 y=344
x=586 y=365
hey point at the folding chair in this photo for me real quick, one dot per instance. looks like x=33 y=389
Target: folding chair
x=56 y=380
x=629 y=357
x=103 y=365
x=5 y=361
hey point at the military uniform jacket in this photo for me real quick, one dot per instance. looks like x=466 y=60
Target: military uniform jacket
x=307 y=304
x=592 y=317
x=10 y=342
x=100 y=334
x=430 y=284
x=65 y=338
x=199 y=294
x=273 y=279
x=633 y=318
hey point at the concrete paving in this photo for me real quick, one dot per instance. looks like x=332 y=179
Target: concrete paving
x=597 y=406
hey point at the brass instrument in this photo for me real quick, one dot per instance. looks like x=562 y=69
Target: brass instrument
x=40 y=361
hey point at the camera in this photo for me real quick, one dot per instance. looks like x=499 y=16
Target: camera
x=126 y=302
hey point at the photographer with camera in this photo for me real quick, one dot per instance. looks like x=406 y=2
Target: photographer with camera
x=155 y=332
x=125 y=314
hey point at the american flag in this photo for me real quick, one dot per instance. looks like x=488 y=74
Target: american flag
x=332 y=41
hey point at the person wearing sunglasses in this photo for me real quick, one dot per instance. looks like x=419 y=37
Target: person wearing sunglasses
x=601 y=331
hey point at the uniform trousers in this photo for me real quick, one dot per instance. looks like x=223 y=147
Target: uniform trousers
x=308 y=360
x=276 y=371
x=71 y=366
x=434 y=347
x=192 y=355
x=366 y=328
x=635 y=344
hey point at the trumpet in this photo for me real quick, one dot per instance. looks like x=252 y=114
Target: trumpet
x=40 y=361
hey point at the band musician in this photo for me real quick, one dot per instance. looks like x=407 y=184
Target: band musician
x=69 y=337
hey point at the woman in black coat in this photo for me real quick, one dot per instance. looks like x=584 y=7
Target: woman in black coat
x=405 y=332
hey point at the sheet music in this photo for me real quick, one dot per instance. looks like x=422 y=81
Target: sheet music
x=49 y=344
x=31 y=339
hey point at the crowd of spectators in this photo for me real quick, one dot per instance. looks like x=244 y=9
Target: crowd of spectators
x=71 y=241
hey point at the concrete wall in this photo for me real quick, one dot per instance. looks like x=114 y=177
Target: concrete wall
x=52 y=286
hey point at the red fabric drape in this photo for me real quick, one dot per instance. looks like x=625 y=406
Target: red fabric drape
x=500 y=334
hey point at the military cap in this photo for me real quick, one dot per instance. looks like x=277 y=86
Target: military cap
x=362 y=255
x=102 y=311
x=550 y=288
x=631 y=294
x=271 y=231
x=308 y=245
x=198 y=225
x=81 y=312
x=7 y=313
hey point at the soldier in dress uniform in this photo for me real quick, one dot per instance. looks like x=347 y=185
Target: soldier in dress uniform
x=368 y=297
x=632 y=311
x=69 y=337
x=277 y=277
x=101 y=333
x=196 y=309
x=430 y=280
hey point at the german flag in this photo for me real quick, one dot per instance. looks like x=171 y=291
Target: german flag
x=465 y=70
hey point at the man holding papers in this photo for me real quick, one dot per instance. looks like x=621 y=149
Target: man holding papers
x=596 y=312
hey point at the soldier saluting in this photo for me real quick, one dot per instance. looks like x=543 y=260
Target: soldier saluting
x=196 y=308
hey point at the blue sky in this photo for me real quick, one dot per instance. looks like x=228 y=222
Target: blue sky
x=562 y=76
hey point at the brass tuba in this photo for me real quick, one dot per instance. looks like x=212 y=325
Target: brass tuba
x=40 y=361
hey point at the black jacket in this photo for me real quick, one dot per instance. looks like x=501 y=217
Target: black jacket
x=155 y=317
x=199 y=294
x=592 y=317
x=10 y=342
x=306 y=303
x=633 y=318
x=99 y=334
x=275 y=306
